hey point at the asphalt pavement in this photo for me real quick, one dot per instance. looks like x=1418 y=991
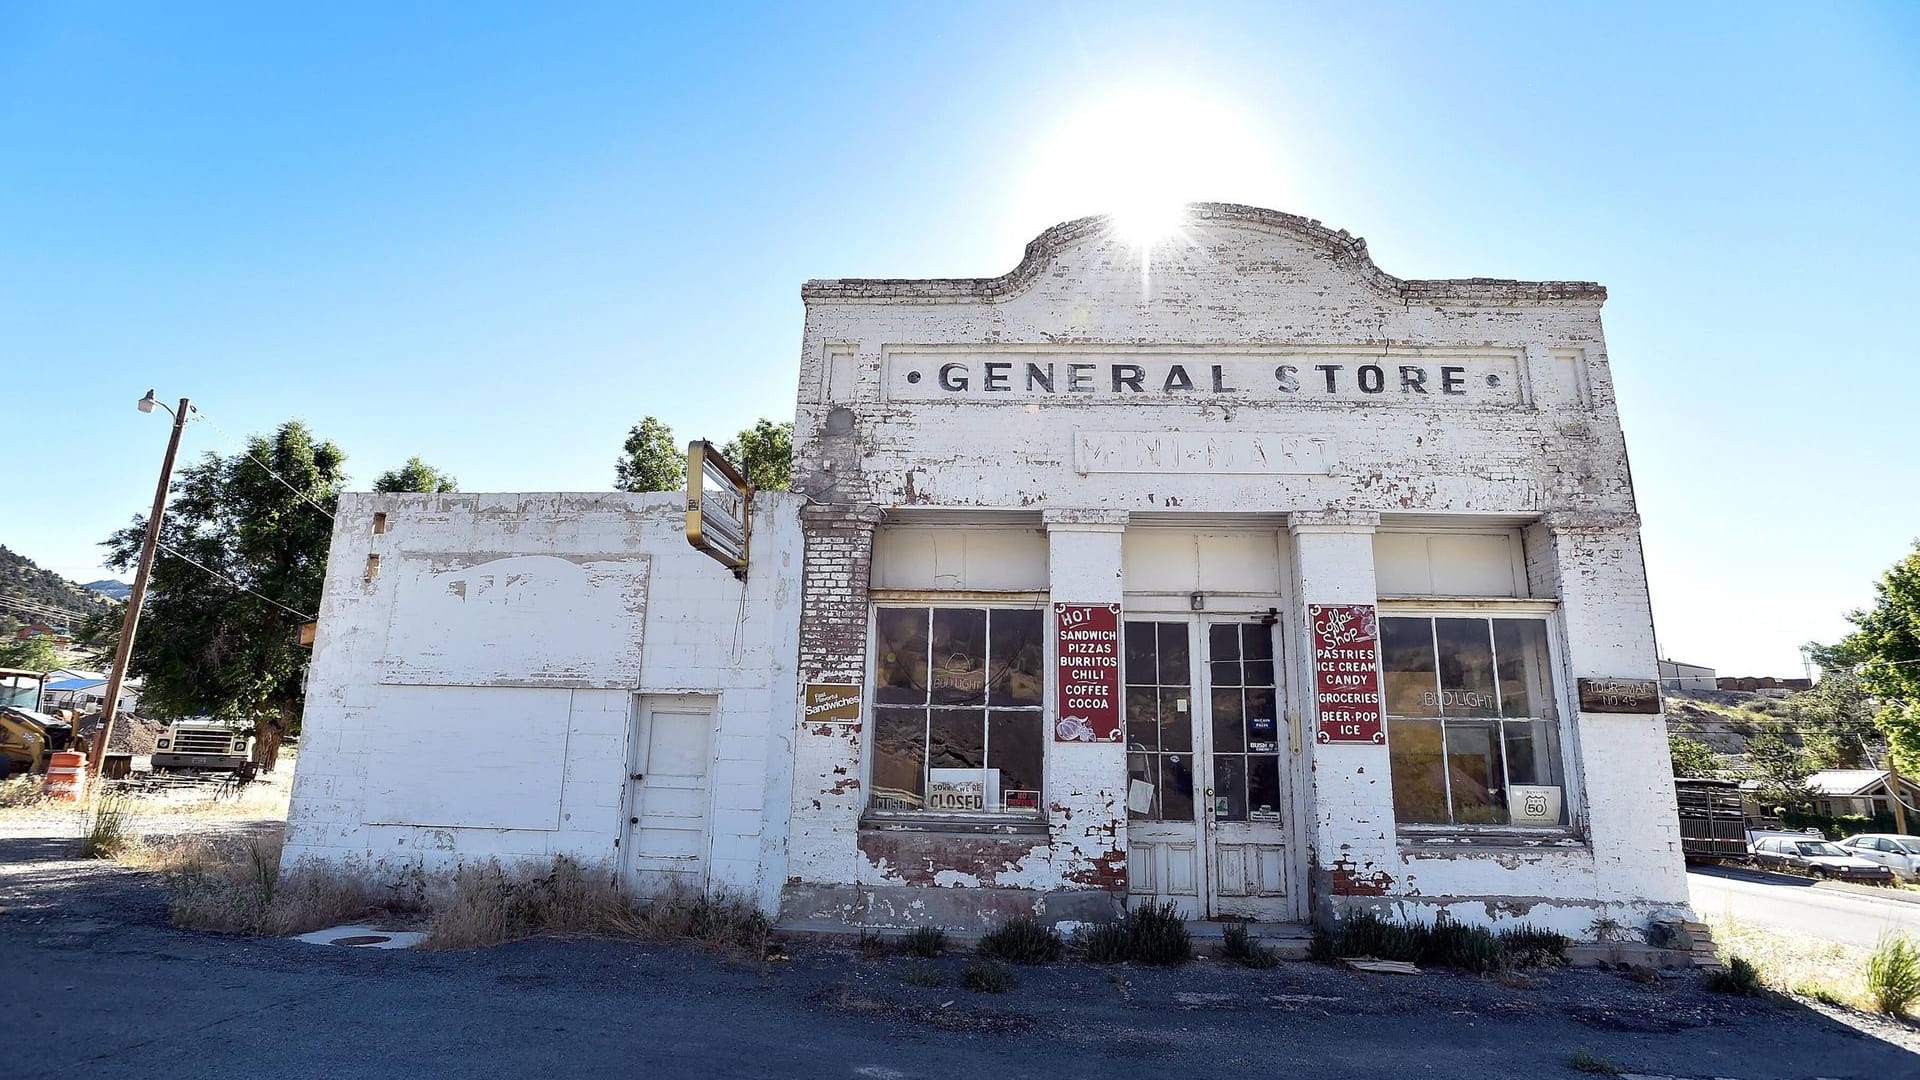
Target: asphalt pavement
x=1798 y=905
x=101 y=986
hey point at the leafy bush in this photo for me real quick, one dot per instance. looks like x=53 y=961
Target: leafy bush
x=1023 y=940
x=1448 y=943
x=988 y=977
x=1156 y=934
x=1106 y=943
x=1893 y=974
x=1366 y=933
x=925 y=941
x=1531 y=946
x=1738 y=977
x=1239 y=945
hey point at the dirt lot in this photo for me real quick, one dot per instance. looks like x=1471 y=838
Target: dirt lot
x=106 y=988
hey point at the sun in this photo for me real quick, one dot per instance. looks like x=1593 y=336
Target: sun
x=1140 y=155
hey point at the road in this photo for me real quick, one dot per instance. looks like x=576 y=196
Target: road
x=107 y=989
x=1798 y=906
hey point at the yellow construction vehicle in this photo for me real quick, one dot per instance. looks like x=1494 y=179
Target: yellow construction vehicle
x=28 y=739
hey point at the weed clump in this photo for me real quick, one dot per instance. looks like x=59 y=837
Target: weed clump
x=1587 y=1061
x=1893 y=974
x=1443 y=943
x=109 y=828
x=1156 y=934
x=1023 y=940
x=235 y=885
x=988 y=977
x=1105 y=943
x=1739 y=977
x=926 y=942
x=1239 y=945
x=871 y=945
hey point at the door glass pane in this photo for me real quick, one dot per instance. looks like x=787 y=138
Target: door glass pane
x=1140 y=662
x=1013 y=750
x=900 y=656
x=899 y=747
x=1176 y=718
x=1176 y=787
x=1263 y=726
x=1230 y=787
x=1013 y=654
x=1263 y=787
x=1256 y=642
x=959 y=656
x=1473 y=771
x=1419 y=782
x=1406 y=661
x=1259 y=673
x=1525 y=674
x=1145 y=768
x=1229 y=723
x=1174 y=668
x=1226 y=673
x=1143 y=718
x=1223 y=642
x=1466 y=668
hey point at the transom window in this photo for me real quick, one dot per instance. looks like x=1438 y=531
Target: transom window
x=958 y=702
x=1472 y=731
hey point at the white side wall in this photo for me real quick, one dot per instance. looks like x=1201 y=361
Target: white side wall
x=472 y=693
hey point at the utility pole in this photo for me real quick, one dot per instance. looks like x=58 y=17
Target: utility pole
x=1893 y=788
x=118 y=674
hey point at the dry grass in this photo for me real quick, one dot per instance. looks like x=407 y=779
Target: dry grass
x=108 y=831
x=233 y=884
x=1825 y=971
x=23 y=793
x=488 y=903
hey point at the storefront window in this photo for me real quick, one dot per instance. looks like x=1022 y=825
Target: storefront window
x=958 y=695
x=1471 y=726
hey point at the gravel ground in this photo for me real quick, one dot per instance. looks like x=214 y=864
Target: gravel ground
x=107 y=989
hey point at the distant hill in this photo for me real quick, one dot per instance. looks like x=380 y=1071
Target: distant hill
x=109 y=588
x=24 y=583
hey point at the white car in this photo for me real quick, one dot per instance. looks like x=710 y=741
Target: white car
x=1900 y=854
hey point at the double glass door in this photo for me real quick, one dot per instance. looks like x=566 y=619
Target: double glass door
x=1207 y=756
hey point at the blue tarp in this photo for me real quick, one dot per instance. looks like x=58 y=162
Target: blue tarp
x=75 y=684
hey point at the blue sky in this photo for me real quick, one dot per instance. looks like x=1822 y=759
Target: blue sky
x=497 y=235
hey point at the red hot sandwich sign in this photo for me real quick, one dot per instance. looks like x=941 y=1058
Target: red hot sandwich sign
x=1346 y=673
x=1086 y=639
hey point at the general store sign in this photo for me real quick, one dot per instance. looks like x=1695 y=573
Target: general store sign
x=1346 y=673
x=718 y=498
x=1087 y=672
x=1405 y=376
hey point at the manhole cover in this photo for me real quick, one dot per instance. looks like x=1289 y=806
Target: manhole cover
x=361 y=939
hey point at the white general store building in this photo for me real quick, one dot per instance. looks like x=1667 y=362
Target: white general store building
x=1251 y=578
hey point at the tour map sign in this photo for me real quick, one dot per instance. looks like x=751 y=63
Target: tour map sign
x=1087 y=677
x=1346 y=673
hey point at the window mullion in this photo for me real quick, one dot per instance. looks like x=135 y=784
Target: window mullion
x=1440 y=699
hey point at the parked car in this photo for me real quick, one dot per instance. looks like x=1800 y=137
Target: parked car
x=1900 y=854
x=1821 y=858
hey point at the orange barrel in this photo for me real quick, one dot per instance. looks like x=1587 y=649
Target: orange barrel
x=67 y=775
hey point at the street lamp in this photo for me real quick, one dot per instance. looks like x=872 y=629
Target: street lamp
x=118 y=674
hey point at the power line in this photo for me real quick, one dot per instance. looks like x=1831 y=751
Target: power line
x=299 y=614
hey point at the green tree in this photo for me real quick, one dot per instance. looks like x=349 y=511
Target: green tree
x=32 y=654
x=418 y=477
x=1884 y=649
x=1782 y=769
x=764 y=453
x=1836 y=721
x=650 y=459
x=1692 y=758
x=240 y=566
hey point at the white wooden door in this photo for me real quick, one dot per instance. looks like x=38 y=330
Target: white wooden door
x=666 y=841
x=1246 y=804
x=1207 y=768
